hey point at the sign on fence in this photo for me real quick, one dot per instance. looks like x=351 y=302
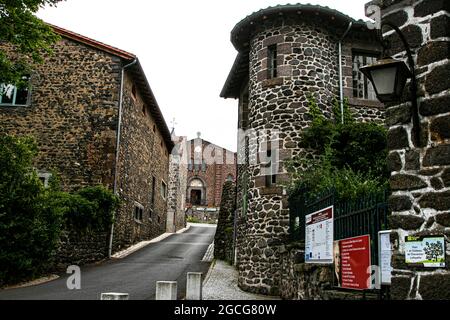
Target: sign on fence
x=426 y=251
x=319 y=236
x=384 y=256
x=352 y=268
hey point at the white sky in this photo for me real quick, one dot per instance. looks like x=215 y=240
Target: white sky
x=185 y=50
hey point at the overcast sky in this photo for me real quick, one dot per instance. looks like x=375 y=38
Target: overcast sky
x=184 y=48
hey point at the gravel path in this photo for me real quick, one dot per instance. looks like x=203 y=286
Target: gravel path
x=222 y=284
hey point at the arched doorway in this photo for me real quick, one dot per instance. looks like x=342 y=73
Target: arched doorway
x=197 y=192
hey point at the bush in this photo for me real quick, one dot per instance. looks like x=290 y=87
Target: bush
x=29 y=230
x=350 y=157
x=32 y=217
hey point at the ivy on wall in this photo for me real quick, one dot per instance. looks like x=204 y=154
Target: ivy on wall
x=350 y=156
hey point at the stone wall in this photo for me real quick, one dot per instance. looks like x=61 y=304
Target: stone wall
x=223 y=240
x=143 y=156
x=420 y=183
x=73 y=114
x=176 y=218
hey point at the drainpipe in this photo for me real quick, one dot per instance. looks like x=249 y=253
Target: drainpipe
x=119 y=128
x=341 y=90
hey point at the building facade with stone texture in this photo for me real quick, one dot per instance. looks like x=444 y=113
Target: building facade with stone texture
x=285 y=54
x=96 y=122
x=420 y=170
x=209 y=166
x=176 y=203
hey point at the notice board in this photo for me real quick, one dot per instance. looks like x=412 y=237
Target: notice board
x=354 y=268
x=319 y=236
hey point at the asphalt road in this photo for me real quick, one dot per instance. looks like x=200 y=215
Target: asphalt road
x=136 y=274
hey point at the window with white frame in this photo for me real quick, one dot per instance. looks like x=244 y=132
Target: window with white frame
x=44 y=177
x=11 y=95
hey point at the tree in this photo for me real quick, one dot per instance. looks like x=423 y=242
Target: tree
x=29 y=36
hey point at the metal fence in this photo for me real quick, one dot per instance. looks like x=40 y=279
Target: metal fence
x=362 y=216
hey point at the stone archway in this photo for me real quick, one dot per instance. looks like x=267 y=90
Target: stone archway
x=196 y=192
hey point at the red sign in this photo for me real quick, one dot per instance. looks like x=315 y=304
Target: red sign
x=355 y=262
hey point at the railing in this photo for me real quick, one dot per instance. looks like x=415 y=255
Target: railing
x=362 y=216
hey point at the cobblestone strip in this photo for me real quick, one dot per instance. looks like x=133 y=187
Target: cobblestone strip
x=209 y=254
x=221 y=284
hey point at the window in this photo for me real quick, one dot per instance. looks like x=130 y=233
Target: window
x=11 y=95
x=153 y=191
x=270 y=174
x=133 y=91
x=45 y=178
x=362 y=87
x=138 y=212
x=191 y=164
x=272 y=61
x=163 y=189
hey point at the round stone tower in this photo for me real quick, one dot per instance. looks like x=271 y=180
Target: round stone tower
x=286 y=54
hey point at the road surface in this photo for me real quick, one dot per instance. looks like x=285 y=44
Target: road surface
x=168 y=260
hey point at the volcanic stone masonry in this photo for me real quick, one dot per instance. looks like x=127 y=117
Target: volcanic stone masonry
x=306 y=40
x=73 y=112
x=420 y=179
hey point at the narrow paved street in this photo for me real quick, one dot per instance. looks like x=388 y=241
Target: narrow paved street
x=136 y=274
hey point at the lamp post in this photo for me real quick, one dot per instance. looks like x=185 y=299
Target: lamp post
x=389 y=76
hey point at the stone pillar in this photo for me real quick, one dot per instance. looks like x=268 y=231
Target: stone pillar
x=420 y=175
x=114 y=296
x=194 y=286
x=166 y=290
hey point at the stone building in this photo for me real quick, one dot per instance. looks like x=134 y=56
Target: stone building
x=96 y=121
x=286 y=53
x=209 y=166
x=420 y=170
x=176 y=203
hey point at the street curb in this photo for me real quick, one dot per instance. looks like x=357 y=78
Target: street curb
x=125 y=253
x=32 y=282
x=208 y=274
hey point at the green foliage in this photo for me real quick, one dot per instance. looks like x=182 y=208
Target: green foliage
x=32 y=217
x=29 y=35
x=29 y=231
x=351 y=157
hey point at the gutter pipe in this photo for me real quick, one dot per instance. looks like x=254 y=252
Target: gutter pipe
x=119 y=129
x=341 y=90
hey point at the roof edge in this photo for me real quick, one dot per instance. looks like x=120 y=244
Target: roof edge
x=93 y=43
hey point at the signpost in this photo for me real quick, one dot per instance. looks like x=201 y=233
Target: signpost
x=319 y=236
x=355 y=263
x=426 y=251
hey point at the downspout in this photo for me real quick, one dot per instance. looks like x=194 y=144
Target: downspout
x=341 y=90
x=119 y=129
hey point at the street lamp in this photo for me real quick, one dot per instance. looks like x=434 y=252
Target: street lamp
x=388 y=77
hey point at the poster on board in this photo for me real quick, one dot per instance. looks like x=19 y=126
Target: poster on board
x=426 y=251
x=385 y=256
x=319 y=236
x=352 y=263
